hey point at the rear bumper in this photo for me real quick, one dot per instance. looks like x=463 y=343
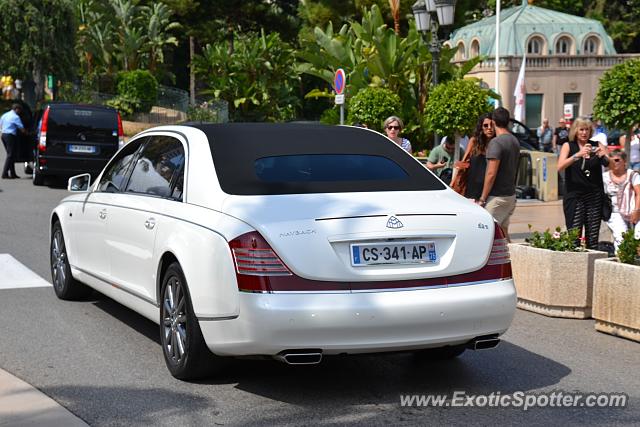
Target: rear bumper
x=68 y=166
x=363 y=322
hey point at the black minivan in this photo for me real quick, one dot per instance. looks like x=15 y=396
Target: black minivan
x=72 y=139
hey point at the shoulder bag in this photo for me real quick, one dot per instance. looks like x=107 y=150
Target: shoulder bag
x=461 y=168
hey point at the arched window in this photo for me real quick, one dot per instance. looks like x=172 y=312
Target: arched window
x=591 y=45
x=475 y=48
x=460 y=56
x=563 y=46
x=535 y=46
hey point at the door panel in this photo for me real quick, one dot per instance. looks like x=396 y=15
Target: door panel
x=89 y=229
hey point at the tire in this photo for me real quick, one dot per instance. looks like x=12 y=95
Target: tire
x=37 y=178
x=185 y=351
x=64 y=285
x=441 y=353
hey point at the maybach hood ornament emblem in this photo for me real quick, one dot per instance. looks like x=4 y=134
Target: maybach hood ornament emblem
x=394 y=222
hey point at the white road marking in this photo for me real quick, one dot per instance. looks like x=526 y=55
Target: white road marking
x=14 y=274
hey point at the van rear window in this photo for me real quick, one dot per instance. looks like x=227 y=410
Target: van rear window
x=76 y=123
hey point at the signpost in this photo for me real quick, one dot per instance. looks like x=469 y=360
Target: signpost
x=339 y=82
x=568 y=111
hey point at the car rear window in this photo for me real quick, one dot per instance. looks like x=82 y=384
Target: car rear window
x=265 y=159
x=83 y=124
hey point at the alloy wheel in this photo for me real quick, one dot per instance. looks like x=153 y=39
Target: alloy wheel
x=175 y=320
x=58 y=260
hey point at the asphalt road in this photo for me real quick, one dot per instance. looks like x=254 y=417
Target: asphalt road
x=103 y=362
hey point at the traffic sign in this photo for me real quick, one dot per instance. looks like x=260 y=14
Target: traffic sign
x=568 y=111
x=340 y=99
x=339 y=81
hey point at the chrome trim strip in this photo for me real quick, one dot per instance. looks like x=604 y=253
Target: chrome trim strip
x=352 y=217
x=428 y=214
x=209 y=319
x=119 y=287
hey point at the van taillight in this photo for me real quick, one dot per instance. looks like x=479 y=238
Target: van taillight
x=42 y=138
x=120 y=132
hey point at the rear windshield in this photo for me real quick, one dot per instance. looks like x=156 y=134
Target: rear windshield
x=79 y=123
x=264 y=159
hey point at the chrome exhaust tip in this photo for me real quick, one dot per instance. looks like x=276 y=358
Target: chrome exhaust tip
x=300 y=357
x=484 y=342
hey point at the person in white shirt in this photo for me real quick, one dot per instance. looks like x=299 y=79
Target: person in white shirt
x=634 y=153
x=623 y=186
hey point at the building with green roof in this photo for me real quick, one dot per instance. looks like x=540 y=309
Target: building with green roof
x=565 y=57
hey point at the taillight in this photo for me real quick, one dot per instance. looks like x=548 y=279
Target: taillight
x=500 y=249
x=255 y=262
x=120 y=132
x=42 y=138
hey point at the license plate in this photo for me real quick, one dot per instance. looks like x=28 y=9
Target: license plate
x=89 y=149
x=414 y=252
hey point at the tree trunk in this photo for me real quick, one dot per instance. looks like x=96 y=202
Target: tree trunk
x=192 y=74
x=38 y=79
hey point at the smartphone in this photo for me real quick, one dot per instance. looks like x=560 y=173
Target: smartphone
x=445 y=159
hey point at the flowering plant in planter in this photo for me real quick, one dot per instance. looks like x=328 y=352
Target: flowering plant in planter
x=563 y=241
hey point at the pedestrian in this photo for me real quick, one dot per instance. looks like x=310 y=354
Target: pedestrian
x=623 y=186
x=560 y=135
x=634 y=150
x=476 y=154
x=393 y=126
x=582 y=159
x=545 y=136
x=11 y=124
x=441 y=159
x=499 y=189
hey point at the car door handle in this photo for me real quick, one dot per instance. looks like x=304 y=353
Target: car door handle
x=150 y=223
x=102 y=214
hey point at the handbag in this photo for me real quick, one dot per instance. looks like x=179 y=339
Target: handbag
x=461 y=175
x=607 y=207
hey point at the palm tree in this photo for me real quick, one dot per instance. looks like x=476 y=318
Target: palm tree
x=157 y=22
x=395 y=12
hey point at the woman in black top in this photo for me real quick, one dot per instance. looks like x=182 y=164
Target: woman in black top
x=484 y=132
x=583 y=158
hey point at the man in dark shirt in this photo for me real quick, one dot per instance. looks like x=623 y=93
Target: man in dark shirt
x=560 y=136
x=499 y=191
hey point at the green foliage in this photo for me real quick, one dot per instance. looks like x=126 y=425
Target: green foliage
x=628 y=249
x=563 y=241
x=37 y=38
x=126 y=105
x=617 y=102
x=259 y=80
x=372 y=106
x=455 y=106
x=330 y=116
x=202 y=113
x=138 y=85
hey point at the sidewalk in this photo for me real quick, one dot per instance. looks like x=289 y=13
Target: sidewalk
x=542 y=215
x=23 y=405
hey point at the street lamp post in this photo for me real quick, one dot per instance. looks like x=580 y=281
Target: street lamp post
x=429 y=16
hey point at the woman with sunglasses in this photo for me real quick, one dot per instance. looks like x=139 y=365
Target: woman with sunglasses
x=393 y=126
x=475 y=154
x=623 y=186
x=582 y=159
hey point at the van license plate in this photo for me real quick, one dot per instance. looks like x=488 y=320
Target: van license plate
x=89 y=149
x=413 y=252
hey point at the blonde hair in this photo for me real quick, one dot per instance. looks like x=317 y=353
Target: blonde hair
x=580 y=122
x=392 y=119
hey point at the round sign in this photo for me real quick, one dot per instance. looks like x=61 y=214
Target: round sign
x=339 y=81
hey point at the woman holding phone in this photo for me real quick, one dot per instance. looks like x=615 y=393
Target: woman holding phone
x=582 y=158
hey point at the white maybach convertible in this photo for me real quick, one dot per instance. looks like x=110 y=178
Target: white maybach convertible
x=291 y=241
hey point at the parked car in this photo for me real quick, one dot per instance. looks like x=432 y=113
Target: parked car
x=283 y=240
x=528 y=139
x=73 y=139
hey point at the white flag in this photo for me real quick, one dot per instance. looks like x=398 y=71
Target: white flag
x=520 y=93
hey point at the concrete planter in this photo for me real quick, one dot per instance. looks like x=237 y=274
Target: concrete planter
x=616 y=298
x=556 y=284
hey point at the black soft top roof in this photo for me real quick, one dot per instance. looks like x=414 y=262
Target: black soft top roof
x=236 y=146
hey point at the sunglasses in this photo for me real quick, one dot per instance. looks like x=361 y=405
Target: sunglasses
x=616 y=160
x=486 y=125
x=393 y=127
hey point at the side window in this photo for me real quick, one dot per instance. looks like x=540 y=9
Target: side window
x=159 y=160
x=178 y=187
x=115 y=176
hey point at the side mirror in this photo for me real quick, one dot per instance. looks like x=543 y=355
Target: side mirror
x=79 y=183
